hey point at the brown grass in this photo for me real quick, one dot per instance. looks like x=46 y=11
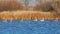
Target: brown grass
x=27 y=15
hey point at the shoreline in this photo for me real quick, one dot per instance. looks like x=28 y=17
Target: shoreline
x=27 y=15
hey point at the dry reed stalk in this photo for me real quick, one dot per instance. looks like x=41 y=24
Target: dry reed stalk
x=23 y=15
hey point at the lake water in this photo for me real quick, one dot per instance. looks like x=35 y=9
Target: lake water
x=30 y=27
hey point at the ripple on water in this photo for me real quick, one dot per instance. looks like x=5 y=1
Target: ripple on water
x=30 y=27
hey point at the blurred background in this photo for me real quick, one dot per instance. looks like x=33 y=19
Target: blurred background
x=30 y=5
x=24 y=4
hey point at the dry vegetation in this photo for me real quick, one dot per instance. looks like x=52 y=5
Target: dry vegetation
x=26 y=15
x=15 y=11
x=11 y=5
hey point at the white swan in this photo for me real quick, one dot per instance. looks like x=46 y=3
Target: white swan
x=42 y=19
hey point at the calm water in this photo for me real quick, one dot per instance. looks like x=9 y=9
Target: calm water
x=30 y=27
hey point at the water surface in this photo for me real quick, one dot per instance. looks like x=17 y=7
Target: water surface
x=30 y=27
